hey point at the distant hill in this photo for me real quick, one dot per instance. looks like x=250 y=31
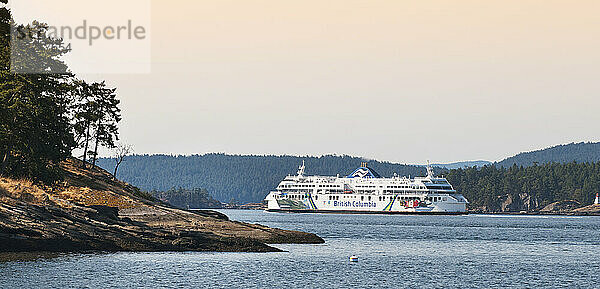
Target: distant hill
x=243 y=178
x=578 y=152
x=465 y=164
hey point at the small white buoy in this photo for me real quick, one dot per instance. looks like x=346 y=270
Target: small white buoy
x=353 y=258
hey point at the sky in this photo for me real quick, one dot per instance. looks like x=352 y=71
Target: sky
x=402 y=81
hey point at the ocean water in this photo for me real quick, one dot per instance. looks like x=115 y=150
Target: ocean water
x=474 y=251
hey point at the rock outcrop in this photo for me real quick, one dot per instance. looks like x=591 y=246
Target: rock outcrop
x=520 y=202
x=526 y=204
x=91 y=211
x=561 y=207
x=588 y=210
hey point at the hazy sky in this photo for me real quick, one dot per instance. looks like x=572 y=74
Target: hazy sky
x=403 y=81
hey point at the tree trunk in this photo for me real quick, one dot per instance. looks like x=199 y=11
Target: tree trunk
x=116 y=167
x=98 y=131
x=87 y=139
x=4 y=163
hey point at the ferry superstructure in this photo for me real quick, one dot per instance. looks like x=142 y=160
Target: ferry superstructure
x=365 y=191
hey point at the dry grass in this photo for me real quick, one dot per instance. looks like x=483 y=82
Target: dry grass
x=23 y=190
x=83 y=187
x=89 y=197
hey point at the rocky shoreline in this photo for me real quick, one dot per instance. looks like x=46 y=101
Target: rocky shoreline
x=562 y=208
x=91 y=212
x=537 y=213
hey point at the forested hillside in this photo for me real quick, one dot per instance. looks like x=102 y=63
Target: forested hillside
x=578 y=152
x=497 y=189
x=243 y=178
x=491 y=188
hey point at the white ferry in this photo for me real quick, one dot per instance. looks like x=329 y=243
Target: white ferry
x=365 y=191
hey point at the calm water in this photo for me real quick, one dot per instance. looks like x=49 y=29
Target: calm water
x=475 y=251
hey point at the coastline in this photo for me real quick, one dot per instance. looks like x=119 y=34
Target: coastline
x=536 y=213
x=91 y=212
x=592 y=210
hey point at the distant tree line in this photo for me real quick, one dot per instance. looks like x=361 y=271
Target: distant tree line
x=250 y=178
x=573 y=152
x=188 y=198
x=489 y=186
x=46 y=114
x=247 y=179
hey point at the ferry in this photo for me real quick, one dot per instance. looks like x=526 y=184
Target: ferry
x=365 y=191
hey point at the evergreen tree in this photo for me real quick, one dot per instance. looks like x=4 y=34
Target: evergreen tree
x=96 y=117
x=45 y=112
x=109 y=115
x=35 y=132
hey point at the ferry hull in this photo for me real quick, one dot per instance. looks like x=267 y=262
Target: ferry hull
x=365 y=212
x=352 y=204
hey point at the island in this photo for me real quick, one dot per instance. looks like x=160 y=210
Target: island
x=89 y=210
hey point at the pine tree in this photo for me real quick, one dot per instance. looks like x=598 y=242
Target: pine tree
x=35 y=132
x=96 y=117
x=109 y=115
